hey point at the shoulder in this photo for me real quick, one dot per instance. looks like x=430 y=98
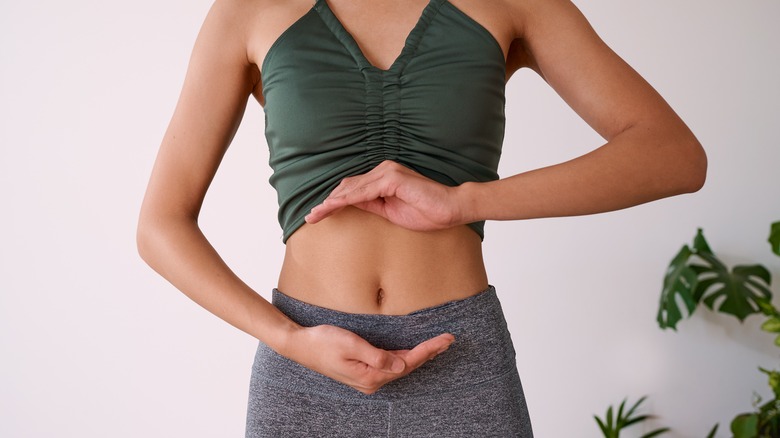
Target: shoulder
x=254 y=25
x=238 y=15
x=543 y=26
x=249 y=27
x=527 y=15
x=227 y=24
x=245 y=18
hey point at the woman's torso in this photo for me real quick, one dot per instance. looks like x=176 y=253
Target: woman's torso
x=355 y=261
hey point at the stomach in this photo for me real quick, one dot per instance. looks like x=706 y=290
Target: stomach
x=358 y=262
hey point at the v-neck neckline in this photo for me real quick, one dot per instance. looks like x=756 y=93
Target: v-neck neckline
x=410 y=42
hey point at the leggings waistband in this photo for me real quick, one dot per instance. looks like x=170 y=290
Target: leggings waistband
x=482 y=350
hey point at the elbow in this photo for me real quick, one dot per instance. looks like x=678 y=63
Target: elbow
x=693 y=172
x=148 y=236
x=143 y=239
x=158 y=232
x=682 y=163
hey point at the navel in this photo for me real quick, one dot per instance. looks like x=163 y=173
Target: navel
x=380 y=296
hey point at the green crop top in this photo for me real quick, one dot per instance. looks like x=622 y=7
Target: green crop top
x=330 y=114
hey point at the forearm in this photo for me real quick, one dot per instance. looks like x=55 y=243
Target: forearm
x=631 y=169
x=178 y=250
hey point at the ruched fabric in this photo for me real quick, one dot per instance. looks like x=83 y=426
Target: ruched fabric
x=329 y=113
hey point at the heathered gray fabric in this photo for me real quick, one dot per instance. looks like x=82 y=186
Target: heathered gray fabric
x=471 y=390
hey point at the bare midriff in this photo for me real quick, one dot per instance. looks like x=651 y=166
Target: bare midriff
x=358 y=262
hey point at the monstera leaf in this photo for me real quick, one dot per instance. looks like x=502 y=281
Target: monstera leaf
x=696 y=274
x=680 y=280
x=738 y=292
x=774 y=237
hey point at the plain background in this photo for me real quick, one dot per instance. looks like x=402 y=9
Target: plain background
x=93 y=343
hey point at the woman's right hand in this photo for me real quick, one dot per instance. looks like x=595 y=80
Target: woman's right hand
x=346 y=357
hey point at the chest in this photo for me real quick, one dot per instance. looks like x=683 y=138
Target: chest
x=446 y=85
x=378 y=35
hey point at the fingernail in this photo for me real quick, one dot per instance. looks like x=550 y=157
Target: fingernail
x=397 y=366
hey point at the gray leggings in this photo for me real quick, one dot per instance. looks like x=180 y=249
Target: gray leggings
x=471 y=390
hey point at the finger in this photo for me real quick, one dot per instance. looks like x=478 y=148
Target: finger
x=363 y=192
x=361 y=195
x=350 y=183
x=426 y=351
x=359 y=189
x=381 y=360
x=321 y=211
x=332 y=206
x=377 y=206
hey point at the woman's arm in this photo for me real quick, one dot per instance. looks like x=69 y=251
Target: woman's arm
x=218 y=83
x=650 y=153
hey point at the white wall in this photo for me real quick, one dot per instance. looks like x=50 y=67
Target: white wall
x=94 y=344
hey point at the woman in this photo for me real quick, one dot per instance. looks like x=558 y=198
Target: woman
x=384 y=143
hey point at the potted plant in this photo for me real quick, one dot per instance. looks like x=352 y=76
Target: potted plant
x=696 y=276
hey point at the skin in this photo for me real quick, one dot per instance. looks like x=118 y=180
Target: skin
x=392 y=241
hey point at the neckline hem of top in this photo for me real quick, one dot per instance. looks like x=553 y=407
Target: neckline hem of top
x=411 y=41
x=314 y=7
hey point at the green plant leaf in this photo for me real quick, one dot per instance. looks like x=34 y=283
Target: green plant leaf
x=745 y=426
x=619 y=418
x=768 y=309
x=636 y=405
x=680 y=280
x=602 y=426
x=774 y=380
x=742 y=289
x=771 y=325
x=774 y=237
x=700 y=245
x=769 y=418
x=624 y=418
x=655 y=432
x=639 y=419
x=713 y=432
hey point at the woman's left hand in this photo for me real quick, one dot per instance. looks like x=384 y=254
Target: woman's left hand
x=398 y=194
